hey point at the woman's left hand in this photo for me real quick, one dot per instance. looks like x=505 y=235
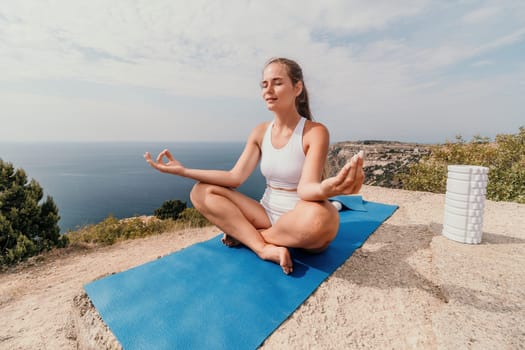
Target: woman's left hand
x=348 y=181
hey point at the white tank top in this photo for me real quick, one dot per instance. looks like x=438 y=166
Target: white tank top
x=283 y=167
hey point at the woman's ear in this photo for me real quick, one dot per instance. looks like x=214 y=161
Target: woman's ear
x=298 y=88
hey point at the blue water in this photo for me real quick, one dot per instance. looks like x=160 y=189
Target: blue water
x=89 y=181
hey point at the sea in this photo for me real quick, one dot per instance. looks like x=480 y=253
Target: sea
x=90 y=181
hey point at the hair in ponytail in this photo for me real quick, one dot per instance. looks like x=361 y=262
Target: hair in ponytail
x=295 y=73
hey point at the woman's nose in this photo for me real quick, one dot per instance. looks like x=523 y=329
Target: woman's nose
x=266 y=90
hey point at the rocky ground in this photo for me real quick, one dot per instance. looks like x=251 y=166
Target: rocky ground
x=407 y=287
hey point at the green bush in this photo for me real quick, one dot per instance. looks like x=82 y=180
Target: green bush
x=28 y=225
x=505 y=158
x=170 y=209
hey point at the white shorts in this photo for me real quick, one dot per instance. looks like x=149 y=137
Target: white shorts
x=278 y=202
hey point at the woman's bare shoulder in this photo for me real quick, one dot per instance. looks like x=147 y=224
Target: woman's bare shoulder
x=257 y=133
x=262 y=126
x=315 y=129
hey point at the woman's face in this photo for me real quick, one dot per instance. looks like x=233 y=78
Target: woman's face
x=277 y=88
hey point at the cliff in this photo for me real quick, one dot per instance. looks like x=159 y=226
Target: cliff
x=384 y=160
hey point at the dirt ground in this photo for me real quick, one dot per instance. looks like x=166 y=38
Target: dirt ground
x=408 y=287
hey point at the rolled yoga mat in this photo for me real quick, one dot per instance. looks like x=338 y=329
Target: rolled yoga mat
x=209 y=296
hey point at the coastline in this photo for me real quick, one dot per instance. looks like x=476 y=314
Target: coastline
x=408 y=287
x=89 y=181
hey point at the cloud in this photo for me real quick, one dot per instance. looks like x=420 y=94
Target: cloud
x=350 y=17
x=175 y=38
x=481 y=14
x=373 y=59
x=482 y=63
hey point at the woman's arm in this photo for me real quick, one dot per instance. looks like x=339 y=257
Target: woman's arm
x=227 y=178
x=348 y=181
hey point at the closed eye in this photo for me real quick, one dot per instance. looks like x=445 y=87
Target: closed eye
x=275 y=81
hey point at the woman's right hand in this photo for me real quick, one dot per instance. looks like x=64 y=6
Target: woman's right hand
x=171 y=165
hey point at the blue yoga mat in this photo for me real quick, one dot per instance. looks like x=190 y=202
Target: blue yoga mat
x=209 y=296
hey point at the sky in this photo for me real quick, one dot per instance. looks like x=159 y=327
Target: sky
x=167 y=70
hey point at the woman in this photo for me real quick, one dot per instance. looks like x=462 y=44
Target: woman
x=294 y=211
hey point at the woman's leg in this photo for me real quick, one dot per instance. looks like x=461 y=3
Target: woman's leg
x=240 y=217
x=310 y=225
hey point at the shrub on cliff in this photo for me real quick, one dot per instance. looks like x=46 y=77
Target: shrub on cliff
x=170 y=209
x=177 y=210
x=28 y=225
x=505 y=158
x=112 y=230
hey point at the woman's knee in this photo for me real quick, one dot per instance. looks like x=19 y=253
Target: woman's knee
x=320 y=214
x=202 y=192
x=323 y=222
x=198 y=194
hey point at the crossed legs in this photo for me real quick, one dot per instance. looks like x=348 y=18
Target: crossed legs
x=311 y=225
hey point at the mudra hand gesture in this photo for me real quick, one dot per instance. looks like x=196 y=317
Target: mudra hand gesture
x=171 y=165
x=349 y=179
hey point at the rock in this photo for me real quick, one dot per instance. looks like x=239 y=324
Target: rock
x=87 y=328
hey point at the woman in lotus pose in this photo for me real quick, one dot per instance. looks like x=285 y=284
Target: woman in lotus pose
x=294 y=211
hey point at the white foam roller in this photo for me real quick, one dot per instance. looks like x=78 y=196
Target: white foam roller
x=460 y=232
x=466 y=187
x=461 y=221
x=475 y=239
x=473 y=198
x=464 y=203
x=468 y=169
x=450 y=203
x=467 y=177
x=463 y=211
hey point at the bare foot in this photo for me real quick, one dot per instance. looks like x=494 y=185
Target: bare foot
x=279 y=255
x=229 y=241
